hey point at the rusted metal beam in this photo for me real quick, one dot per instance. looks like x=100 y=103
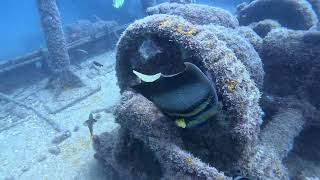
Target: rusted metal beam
x=40 y=54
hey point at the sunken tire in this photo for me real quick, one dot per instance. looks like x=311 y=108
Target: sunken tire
x=237 y=90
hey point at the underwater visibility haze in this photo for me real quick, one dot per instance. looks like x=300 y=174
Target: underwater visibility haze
x=160 y=90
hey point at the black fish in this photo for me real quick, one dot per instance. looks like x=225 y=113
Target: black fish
x=188 y=97
x=97 y=64
x=90 y=123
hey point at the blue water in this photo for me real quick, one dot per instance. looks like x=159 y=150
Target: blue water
x=20 y=30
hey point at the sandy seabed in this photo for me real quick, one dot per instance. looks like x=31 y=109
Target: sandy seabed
x=25 y=145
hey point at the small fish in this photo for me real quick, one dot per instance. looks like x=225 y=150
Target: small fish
x=90 y=123
x=97 y=64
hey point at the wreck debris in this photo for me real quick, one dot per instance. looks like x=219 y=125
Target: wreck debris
x=51 y=122
x=197 y=14
x=142 y=123
x=61 y=137
x=129 y=40
x=85 y=28
x=108 y=110
x=252 y=37
x=298 y=15
x=243 y=50
x=55 y=150
x=160 y=132
x=258 y=155
x=11 y=116
x=61 y=77
x=41 y=55
x=276 y=141
x=262 y=28
x=291 y=61
x=71 y=97
x=21 y=61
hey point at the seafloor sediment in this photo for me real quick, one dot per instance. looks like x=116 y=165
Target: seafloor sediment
x=31 y=148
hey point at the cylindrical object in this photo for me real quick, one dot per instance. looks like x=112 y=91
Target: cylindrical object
x=237 y=90
x=276 y=141
x=298 y=15
x=62 y=77
x=197 y=14
x=53 y=33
